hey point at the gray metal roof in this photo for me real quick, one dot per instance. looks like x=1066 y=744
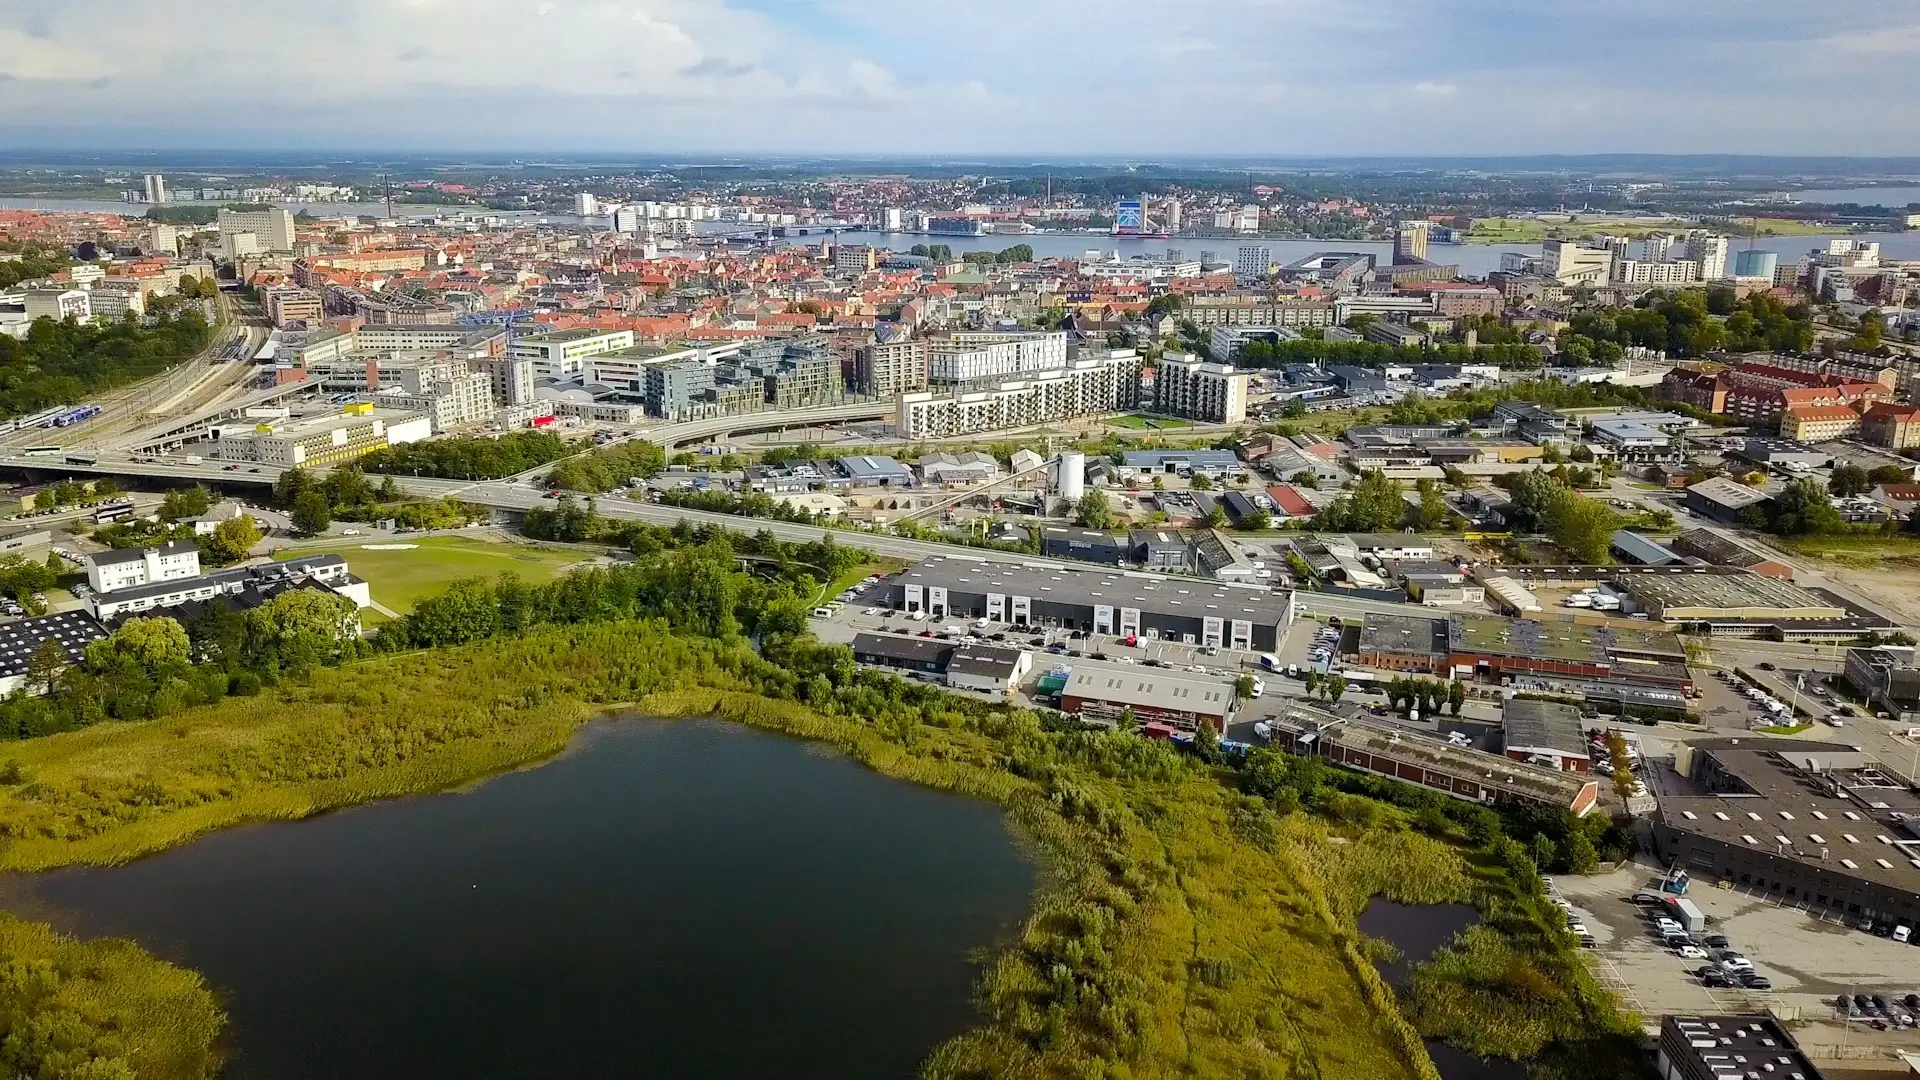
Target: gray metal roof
x=1551 y=725
x=1157 y=593
x=1155 y=688
x=1642 y=550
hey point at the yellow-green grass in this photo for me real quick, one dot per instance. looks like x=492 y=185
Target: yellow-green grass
x=1863 y=551
x=399 y=578
x=1766 y=226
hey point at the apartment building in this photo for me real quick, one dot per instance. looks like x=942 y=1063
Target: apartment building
x=449 y=401
x=968 y=357
x=115 y=297
x=1819 y=423
x=887 y=370
x=127 y=567
x=59 y=303
x=1195 y=389
x=1894 y=426
x=271 y=229
x=855 y=258
x=560 y=354
x=1252 y=263
x=1708 y=254
x=1571 y=263
x=510 y=379
x=1258 y=309
x=286 y=306
x=1637 y=272
x=1410 y=242
x=1083 y=388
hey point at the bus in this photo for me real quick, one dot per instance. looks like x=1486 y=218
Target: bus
x=44 y=451
x=112 y=512
x=83 y=459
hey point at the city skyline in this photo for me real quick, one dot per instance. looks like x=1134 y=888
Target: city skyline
x=1273 y=77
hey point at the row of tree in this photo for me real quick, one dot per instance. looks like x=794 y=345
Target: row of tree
x=608 y=467
x=467 y=458
x=64 y=362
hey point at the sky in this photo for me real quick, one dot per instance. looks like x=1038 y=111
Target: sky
x=1041 y=77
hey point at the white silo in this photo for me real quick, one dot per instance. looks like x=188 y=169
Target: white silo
x=1070 y=475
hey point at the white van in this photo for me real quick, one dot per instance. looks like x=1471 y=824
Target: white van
x=823 y=613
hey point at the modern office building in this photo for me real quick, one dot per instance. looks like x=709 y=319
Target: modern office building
x=586 y=205
x=1571 y=263
x=961 y=358
x=560 y=354
x=272 y=228
x=1086 y=545
x=1084 y=388
x=1103 y=601
x=126 y=567
x=1886 y=677
x=1195 y=389
x=316 y=441
x=1810 y=824
x=156 y=188
x=287 y=305
x=1253 y=262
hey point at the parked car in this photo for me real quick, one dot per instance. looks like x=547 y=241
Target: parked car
x=1691 y=952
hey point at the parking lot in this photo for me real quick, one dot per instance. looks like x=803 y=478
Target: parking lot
x=1810 y=961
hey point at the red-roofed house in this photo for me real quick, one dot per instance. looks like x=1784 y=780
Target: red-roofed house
x=1819 y=423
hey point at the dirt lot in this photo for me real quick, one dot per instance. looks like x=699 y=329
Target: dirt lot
x=1809 y=960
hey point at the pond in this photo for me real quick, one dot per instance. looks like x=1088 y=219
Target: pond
x=678 y=899
x=1419 y=931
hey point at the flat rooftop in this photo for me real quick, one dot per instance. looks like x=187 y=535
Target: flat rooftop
x=1492 y=635
x=1154 y=688
x=1158 y=593
x=1466 y=763
x=1820 y=803
x=1737 y=1046
x=1404 y=635
x=1677 y=587
x=561 y=337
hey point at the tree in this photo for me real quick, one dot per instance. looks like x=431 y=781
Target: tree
x=1456 y=696
x=1313 y=683
x=45 y=499
x=1243 y=687
x=181 y=504
x=1202 y=482
x=1802 y=509
x=1294 y=409
x=1582 y=527
x=1094 y=511
x=1377 y=503
x=49 y=659
x=1890 y=474
x=148 y=643
x=289 y=486
x=1336 y=686
x=311 y=514
x=1433 y=505
x=1581 y=857
x=231 y=541
x=104 y=487
x=1214 y=517
x=1305 y=478
x=301 y=629
x=1848 y=480
x=1257 y=521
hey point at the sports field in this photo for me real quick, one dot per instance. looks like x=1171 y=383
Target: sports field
x=400 y=570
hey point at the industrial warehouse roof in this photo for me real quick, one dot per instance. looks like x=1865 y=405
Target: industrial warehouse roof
x=1733 y=496
x=1720 y=549
x=873 y=467
x=1817 y=803
x=1696 y=594
x=1203 y=459
x=903 y=647
x=1403 y=635
x=1152 y=688
x=984 y=660
x=1158 y=593
x=1477 y=766
x=1642 y=550
x=1530 y=724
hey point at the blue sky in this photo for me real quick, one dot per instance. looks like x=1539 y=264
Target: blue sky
x=1230 y=77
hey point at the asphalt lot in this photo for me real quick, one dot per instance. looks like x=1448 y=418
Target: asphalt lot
x=1809 y=960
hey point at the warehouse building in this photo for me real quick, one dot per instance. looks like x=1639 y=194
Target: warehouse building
x=987 y=668
x=1502 y=650
x=1697 y=595
x=1730 y=1048
x=1544 y=733
x=1812 y=824
x=1107 y=602
x=1722 y=499
x=1087 y=545
x=1718 y=549
x=963 y=666
x=903 y=652
x=1461 y=772
x=1104 y=692
x=22 y=638
x=1886 y=678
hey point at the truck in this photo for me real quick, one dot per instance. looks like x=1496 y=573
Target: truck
x=1687 y=914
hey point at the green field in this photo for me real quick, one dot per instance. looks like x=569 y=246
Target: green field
x=398 y=578
x=1142 y=422
x=1784 y=227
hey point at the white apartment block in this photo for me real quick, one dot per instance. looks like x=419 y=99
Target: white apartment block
x=1709 y=253
x=1195 y=389
x=1084 y=388
x=561 y=354
x=123 y=569
x=1253 y=262
x=448 y=403
x=967 y=357
x=114 y=299
x=272 y=228
x=1635 y=272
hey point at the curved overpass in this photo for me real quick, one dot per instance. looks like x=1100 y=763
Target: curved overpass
x=674 y=436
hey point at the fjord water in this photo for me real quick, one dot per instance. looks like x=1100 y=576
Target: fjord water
x=668 y=899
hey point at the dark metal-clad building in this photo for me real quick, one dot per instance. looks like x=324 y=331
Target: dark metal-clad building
x=1103 y=601
x=1158 y=549
x=1730 y=1048
x=1087 y=545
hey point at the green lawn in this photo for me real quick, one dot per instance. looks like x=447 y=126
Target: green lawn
x=1784 y=227
x=1142 y=422
x=399 y=578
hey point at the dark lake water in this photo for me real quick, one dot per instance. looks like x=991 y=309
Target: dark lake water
x=1419 y=931
x=668 y=899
